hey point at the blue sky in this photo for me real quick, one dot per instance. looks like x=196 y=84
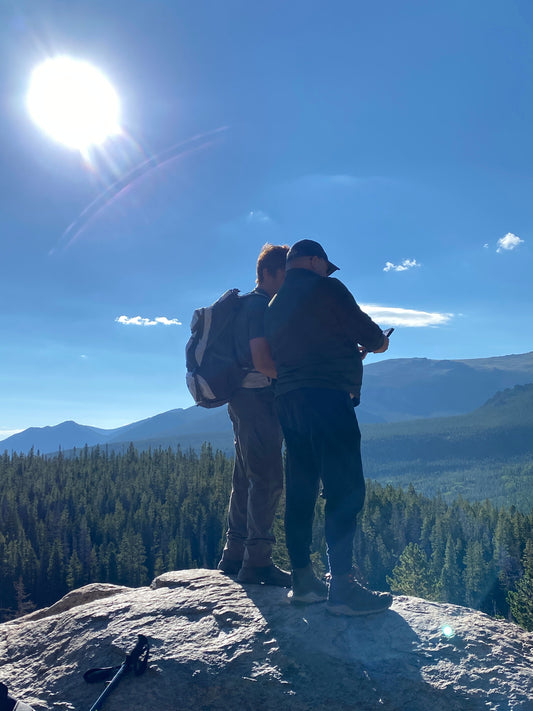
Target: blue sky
x=398 y=134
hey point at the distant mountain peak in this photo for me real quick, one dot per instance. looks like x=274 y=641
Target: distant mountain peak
x=394 y=390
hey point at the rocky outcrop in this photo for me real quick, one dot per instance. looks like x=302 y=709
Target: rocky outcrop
x=218 y=645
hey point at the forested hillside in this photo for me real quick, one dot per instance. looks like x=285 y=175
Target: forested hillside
x=125 y=518
x=487 y=453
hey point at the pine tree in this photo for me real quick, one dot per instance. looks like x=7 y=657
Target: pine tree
x=56 y=583
x=131 y=559
x=74 y=572
x=24 y=604
x=449 y=582
x=521 y=600
x=412 y=575
x=475 y=573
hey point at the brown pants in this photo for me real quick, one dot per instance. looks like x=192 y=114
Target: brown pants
x=257 y=477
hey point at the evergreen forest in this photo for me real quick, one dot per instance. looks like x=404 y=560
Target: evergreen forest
x=126 y=517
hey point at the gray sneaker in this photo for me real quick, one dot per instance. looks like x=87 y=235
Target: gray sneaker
x=348 y=597
x=264 y=575
x=306 y=587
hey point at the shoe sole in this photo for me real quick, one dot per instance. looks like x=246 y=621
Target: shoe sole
x=308 y=599
x=278 y=585
x=349 y=611
x=264 y=582
x=228 y=573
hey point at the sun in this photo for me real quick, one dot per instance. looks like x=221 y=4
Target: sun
x=73 y=103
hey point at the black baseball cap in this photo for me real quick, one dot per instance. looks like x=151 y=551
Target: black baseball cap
x=310 y=248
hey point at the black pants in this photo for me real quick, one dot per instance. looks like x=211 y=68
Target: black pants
x=323 y=443
x=257 y=476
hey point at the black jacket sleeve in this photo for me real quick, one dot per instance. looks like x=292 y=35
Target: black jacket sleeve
x=355 y=323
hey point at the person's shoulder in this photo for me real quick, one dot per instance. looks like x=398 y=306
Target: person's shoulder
x=256 y=294
x=336 y=283
x=254 y=297
x=332 y=285
x=254 y=302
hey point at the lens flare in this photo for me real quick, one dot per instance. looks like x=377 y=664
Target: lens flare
x=143 y=170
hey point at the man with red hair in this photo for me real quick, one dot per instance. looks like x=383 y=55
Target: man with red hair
x=258 y=470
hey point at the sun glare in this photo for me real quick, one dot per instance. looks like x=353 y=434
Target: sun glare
x=73 y=103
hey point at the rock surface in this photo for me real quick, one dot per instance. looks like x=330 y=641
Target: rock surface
x=218 y=645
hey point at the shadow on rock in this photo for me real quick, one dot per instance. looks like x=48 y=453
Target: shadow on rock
x=373 y=662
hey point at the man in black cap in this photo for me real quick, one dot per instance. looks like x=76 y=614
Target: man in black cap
x=317 y=334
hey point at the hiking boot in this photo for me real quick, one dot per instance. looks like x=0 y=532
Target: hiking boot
x=348 y=597
x=306 y=587
x=229 y=566
x=266 y=575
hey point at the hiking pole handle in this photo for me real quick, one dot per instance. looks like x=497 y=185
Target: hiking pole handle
x=135 y=659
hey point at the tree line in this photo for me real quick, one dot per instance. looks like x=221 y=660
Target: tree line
x=126 y=517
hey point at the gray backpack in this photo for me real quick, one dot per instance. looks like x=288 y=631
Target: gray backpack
x=213 y=372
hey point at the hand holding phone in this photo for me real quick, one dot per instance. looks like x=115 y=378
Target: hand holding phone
x=363 y=351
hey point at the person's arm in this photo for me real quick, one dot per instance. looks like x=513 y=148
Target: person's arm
x=355 y=322
x=262 y=357
x=384 y=347
x=364 y=351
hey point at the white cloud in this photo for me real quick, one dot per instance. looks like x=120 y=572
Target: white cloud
x=168 y=321
x=258 y=216
x=141 y=321
x=510 y=241
x=403 y=267
x=409 y=318
x=248 y=221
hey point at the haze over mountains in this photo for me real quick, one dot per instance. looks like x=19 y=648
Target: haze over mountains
x=407 y=388
x=190 y=427
x=395 y=390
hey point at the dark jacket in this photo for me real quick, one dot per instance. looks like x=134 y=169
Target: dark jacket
x=314 y=327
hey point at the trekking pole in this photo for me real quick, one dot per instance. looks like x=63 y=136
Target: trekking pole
x=137 y=660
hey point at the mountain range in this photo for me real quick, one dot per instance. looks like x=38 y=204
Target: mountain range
x=395 y=391
x=408 y=388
